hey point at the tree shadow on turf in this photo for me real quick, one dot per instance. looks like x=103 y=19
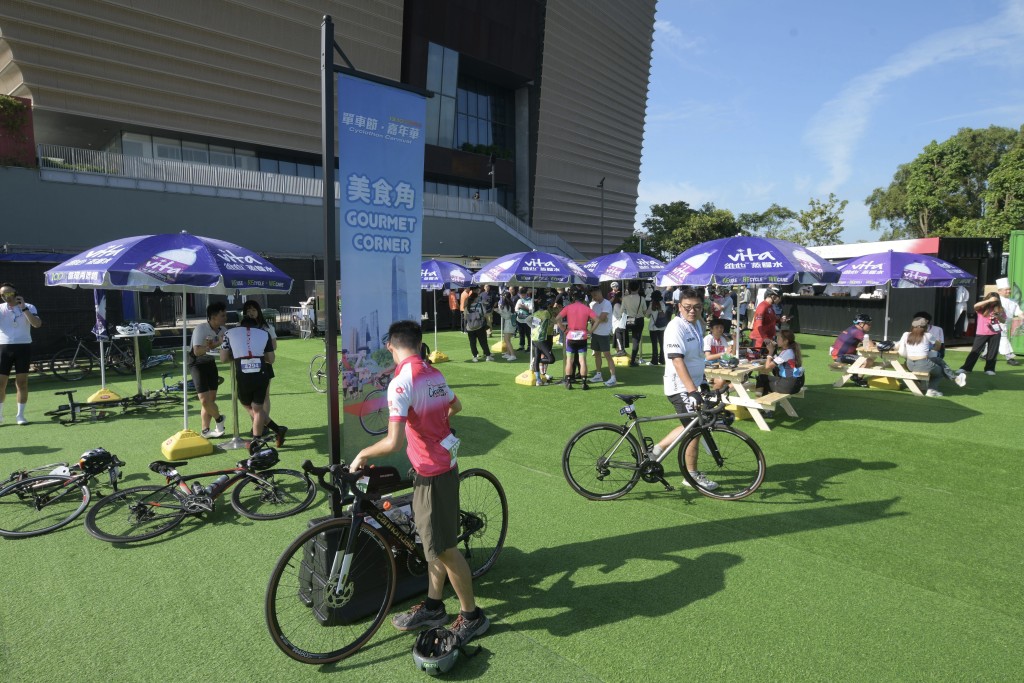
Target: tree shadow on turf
x=29 y=450
x=575 y=601
x=806 y=480
x=478 y=434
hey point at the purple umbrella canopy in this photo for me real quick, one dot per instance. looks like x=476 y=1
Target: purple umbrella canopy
x=901 y=269
x=438 y=274
x=743 y=260
x=533 y=268
x=173 y=262
x=624 y=265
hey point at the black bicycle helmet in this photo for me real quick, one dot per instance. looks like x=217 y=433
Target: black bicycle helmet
x=774 y=291
x=862 y=318
x=436 y=650
x=262 y=460
x=95 y=461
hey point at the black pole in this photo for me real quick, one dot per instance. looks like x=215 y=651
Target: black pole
x=330 y=248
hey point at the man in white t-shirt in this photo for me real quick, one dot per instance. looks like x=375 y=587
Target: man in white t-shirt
x=17 y=318
x=684 y=373
x=202 y=364
x=1013 y=317
x=600 y=339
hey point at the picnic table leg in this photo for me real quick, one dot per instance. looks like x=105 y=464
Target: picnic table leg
x=911 y=383
x=788 y=407
x=848 y=375
x=752 y=406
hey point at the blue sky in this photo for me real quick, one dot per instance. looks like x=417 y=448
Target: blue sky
x=752 y=103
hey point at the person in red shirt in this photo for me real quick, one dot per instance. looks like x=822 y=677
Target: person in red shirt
x=578 y=321
x=765 y=320
x=421 y=404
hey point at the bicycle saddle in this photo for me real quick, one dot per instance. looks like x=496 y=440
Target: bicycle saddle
x=628 y=399
x=161 y=467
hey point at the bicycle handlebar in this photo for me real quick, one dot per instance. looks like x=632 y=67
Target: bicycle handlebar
x=339 y=471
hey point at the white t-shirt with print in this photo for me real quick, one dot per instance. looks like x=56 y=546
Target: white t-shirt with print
x=605 y=328
x=687 y=340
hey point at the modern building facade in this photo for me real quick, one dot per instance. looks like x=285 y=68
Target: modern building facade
x=536 y=101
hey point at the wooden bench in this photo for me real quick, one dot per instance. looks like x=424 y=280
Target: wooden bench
x=769 y=401
x=895 y=370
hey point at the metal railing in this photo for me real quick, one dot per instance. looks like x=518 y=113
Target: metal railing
x=73 y=160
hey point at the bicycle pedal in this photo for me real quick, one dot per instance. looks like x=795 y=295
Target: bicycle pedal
x=668 y=486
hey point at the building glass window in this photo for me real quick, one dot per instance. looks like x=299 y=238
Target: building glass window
x=167 y=148
x=135 y=145
x=246 y=159
x=487 y=110
x=195 y=152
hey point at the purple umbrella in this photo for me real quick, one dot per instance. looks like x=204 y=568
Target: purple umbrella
x=533 y=268
x=178 y=262
x=900 y=269
x=436 y=274
x=745 y=260
x=624 y=265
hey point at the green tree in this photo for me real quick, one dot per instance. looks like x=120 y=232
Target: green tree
x=1004 y=195
x=942 y=191
x=822 y=222
x=776 y=222
x=674 y=228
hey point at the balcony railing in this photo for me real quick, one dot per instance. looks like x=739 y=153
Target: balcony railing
x=143 y=172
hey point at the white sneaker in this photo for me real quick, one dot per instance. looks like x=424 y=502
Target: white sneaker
x=21 y=420
x=475 y=359
x=961 y=380
x=218 y=429
x=932 y=393
x=702 y=481
x=489 y=359
x=597 y=377
x=540 y=383
x=990 y=372
x=510 y=358
x=547 y=377
x=611 y=382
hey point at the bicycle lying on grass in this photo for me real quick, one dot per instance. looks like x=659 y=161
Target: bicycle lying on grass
x=605 y=461
x=333 y=586
x=143 y=512
x=32 y=504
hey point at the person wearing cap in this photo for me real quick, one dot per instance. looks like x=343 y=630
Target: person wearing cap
x=844 y=349
x=1013 y=312
x=917 y=346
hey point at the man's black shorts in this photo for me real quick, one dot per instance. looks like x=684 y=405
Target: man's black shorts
x=204 y=377
x=16 y=356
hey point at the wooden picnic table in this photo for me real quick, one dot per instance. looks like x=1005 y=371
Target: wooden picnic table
x=740 y=391
x=890 y=364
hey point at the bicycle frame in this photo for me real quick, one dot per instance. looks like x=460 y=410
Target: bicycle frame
x=633 y=421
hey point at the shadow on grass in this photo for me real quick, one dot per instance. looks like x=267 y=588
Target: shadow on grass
x=479 y=435
x=854 y=403
x=29 y=450
x=567 y=607
x=807 y=480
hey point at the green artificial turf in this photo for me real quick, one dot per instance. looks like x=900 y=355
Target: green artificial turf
x=884 y=544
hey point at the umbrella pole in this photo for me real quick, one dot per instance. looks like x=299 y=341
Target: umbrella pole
x=888 y=295
x=184 y=361
x=434 y=297
x=236 y=442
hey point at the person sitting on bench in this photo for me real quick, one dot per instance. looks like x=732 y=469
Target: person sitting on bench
x=844 y=350
x=786 y=362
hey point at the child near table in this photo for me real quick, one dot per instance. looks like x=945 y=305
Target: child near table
x=716 y=345
x=786 y=363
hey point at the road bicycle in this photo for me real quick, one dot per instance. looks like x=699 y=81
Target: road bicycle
x=605 y=461
x=74 y=412
x=333 y=586
x=33 y=503
x=144 y=512
x=76 y=362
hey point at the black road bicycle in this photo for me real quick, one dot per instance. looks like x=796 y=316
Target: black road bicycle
x=605 y=461
x=76 y=362
x=74 y=412
x=333 y=586
x=33 y=503
x=143 y=512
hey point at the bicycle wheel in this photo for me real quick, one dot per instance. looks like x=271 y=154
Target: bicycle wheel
x=483 y=519
x=122 y=361
x=728 y=457
x=318 y=373
x=309 y=620
x=136 y=514
x=373 y=413
x=71 y=364
x=273 y=494
x=36 y=505
x=600 y=464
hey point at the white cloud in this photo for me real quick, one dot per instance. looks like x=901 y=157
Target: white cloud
x=838 y=126
x=668 y=36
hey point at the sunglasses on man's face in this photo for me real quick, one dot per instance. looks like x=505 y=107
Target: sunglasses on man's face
x=694 y=307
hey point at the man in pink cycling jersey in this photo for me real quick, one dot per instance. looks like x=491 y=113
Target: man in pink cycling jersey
x=578 y=321
x=421 y=404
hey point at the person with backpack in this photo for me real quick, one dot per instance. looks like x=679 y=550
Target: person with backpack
x=476 y=325
x=658 y=317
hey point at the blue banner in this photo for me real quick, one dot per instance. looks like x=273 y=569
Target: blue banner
x=380 y=175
